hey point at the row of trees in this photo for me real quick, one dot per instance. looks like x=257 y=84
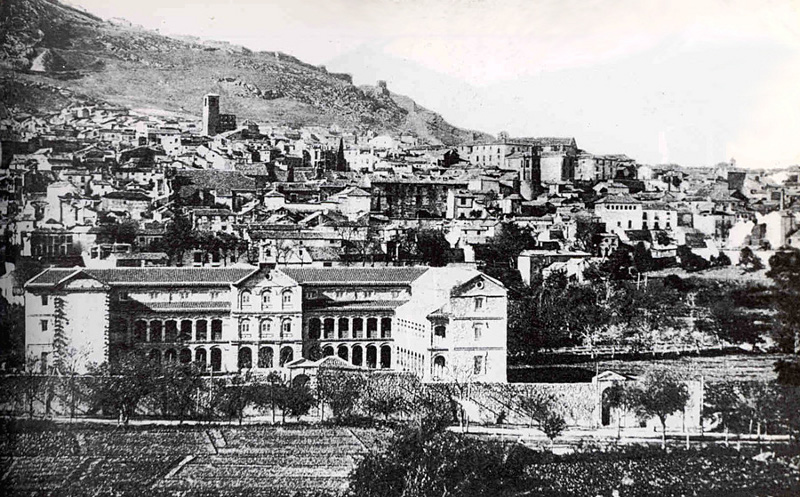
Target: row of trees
x=181 y=237
x=134 y=385
x=616 y=306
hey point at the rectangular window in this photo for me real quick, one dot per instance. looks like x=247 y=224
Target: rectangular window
x=478 y=365
x=43 y=324
x=44 y=299
x=477 y=329
x=478 y=303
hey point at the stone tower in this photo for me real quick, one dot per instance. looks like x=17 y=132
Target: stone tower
x=210 y=114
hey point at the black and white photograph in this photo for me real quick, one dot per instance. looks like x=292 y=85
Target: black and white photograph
x=400 y=248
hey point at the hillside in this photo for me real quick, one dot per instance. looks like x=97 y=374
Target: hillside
x=46 y=42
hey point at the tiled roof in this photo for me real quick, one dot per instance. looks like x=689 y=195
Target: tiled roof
x=355 y=275
x=372 y=305
x=293 y=235
x=143 y=256
x=619 y=198
x=639 y=235
x=128 y=196
x=220 y=305
x=212 y=212
x=146 y=276
x=220 y=181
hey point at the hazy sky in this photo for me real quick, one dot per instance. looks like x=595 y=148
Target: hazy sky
x=695 y=82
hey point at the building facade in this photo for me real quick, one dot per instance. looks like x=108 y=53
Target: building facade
x=443 y=324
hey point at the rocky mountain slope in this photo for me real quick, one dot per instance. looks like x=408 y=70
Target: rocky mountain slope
x=46 y=42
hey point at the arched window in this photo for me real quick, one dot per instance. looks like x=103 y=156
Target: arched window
x=386 y=356
x=244 y=329
x=155 y=331
x=372 y=327
x=266 y=298
x=266 y=329
x=358 y=328
x=386 y=327
x=372 y=356
x=201 y=330
x=245 y=358
x=327 y=327
x=286 y=328
x=358 y=355
x=342 y=352
x=439 y=364
x=200 y=357
x=216 y=359
x=327 y=351
x=185 y=356
x=186 y=330
x=287 y=355
x=287 y=299
x=216 y=330
x=265 y=357
x=344 y=327
x=244 y=299
x=155 y=355
x=171 y=331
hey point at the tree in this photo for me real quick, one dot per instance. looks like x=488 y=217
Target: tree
x=504 y=248
x=275 y=382
x=749 y=260
x=126 y=231
x=722 y=260
x=553 y=425
x=587 y=234
x=119 y=389
x=785 y=272
x=642 y=260
x=433 y=248
x=341 y=163
x=619 y=265
x=340 y=389
x=383 y=396
x=660 y=394
x=690 y=261
x=618 y=396
x=298 y=399
x=12 y=334
x=29 y=385
x=422 y=462
x=179 y=237
x=237 y=394
x=175 y=389
x=536 y=404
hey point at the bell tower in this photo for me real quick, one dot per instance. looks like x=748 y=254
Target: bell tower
x=210 y=114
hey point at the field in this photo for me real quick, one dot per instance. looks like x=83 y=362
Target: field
x=743 y=367
x=710 y=472
x=219 y=460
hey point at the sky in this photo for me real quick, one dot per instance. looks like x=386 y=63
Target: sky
x=692 y=82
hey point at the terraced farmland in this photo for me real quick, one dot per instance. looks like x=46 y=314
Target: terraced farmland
x=185 y=461
x=741 y=367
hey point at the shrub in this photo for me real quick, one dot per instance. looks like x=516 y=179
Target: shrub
x=423 y=463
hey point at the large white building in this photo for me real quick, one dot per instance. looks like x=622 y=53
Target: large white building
x=446 y=324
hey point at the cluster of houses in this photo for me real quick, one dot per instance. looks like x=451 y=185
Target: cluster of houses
x=91 y=192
